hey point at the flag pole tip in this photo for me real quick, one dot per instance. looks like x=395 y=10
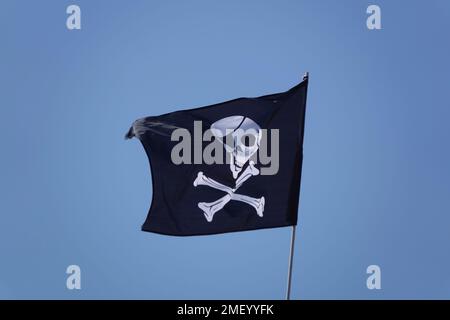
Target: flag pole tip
x=306 y=76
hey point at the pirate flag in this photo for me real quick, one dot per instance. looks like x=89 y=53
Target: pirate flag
x=231 y=166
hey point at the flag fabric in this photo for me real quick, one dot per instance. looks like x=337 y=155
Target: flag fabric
x=231 y=166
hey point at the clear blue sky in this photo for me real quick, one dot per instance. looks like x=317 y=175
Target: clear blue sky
x=376 y=177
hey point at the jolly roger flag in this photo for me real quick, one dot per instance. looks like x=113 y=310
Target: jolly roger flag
x=231 y=166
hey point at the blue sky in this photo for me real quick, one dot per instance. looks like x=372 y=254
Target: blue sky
x=376 y=174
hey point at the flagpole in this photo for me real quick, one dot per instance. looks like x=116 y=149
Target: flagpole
x=291 y=258
x=291 y=251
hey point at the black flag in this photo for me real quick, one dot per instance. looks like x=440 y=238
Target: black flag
x=231 y=166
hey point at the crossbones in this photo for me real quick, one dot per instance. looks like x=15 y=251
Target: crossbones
x=239 y=155
x=210 y=208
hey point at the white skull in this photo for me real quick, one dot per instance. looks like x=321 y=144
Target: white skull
x=240 y=136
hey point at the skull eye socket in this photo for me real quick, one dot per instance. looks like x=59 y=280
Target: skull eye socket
x=248 y=140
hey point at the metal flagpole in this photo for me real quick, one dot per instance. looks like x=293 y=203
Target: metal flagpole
x=291 y=251
x=291 y=258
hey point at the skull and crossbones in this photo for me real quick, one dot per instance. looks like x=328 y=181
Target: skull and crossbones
x=234 y=133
